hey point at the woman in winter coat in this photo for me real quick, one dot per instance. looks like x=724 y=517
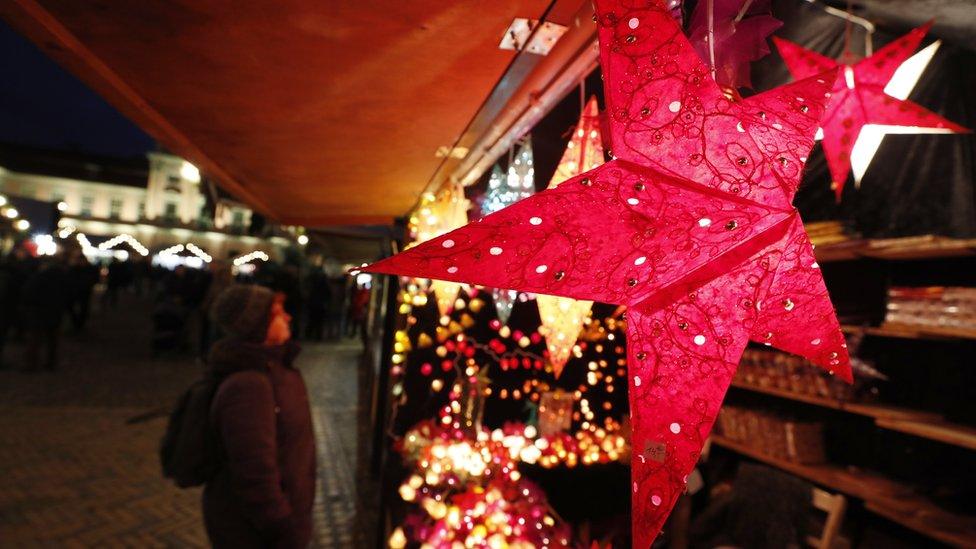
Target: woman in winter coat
x=262 y=496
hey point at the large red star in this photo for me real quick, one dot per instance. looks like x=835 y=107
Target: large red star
x=859 y=98
x=691 y=226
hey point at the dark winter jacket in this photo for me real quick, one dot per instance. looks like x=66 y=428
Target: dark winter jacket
x=45 y=296
x=263 y=495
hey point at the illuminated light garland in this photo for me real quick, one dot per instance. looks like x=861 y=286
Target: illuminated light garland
x=195 y=250
x=563 y=318
x=115 y=241
x=172 y=250
x=249 y=257
x=86 y=245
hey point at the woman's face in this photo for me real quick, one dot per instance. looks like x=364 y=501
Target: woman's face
x=279 y=329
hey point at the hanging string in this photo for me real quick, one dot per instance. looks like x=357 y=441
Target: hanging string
x=711 y=35
x=582 y=95
x=582 y=151
x=851 y=18
x=742 y=12
x=848 y=29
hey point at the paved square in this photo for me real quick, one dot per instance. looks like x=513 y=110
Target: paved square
x=78 y=462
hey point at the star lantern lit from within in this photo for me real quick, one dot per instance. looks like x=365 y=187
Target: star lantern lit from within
x=503 y=191
x=438 y=215
x=859 y=99
x=563 y=317
x=690 y=226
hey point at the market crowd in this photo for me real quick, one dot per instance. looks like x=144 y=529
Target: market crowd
x=43 y=296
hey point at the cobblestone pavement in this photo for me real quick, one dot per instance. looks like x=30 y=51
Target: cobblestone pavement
x=78 y=463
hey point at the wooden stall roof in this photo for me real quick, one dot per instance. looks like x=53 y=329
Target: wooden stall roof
x=315 y=113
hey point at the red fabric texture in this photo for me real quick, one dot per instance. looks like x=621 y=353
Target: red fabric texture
x=691 y=227
x=858 y=97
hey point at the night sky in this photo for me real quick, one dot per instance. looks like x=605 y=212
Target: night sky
x=44 y=106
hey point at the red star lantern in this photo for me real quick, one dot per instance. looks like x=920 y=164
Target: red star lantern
x=859 y=99
x=690 y=226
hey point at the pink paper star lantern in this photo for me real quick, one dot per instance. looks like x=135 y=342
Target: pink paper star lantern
x=691 y=227
x=859 y=99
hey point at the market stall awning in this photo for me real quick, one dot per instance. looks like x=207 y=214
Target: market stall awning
x=314 y=113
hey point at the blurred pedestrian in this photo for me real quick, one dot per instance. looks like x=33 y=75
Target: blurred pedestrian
x=115 y=280
x=82 y=278
x=319 y=297
x=289 y=283
x=15 y=269
x=44 y=302
x=262 y=495
x=335 y=326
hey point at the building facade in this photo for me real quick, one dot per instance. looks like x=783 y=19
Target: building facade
x=167 y=208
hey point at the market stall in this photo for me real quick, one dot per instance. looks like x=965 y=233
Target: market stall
x=514 y=375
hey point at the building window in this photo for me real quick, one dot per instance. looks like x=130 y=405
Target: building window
x=172 y=184
x=57 y=196
x=142 y=209
x=115 y=208
x=205 y=220
x=169 y=214
x=237 y=220
x=87 y=203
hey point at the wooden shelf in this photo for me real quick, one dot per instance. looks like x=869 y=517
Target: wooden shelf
x=837 y=252
x=877 y=411
x=904 y=331
x=942 y=431
x=919 y=423
x=881 y=495
x=931 y=248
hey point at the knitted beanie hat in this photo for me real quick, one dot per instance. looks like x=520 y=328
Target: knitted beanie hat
x=243 y=310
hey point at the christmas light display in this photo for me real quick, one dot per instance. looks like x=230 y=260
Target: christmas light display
x=691 y=226
x=249 y=257
x=195 y=250
x=864 y=103
x=562 y=317
x=122 y=238
x=471 y=493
